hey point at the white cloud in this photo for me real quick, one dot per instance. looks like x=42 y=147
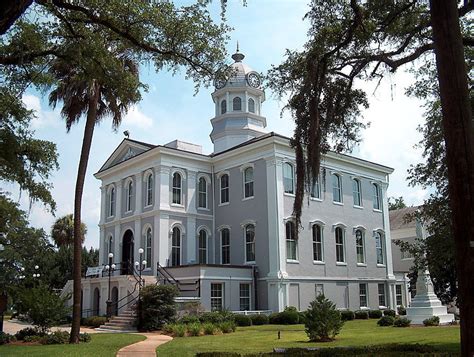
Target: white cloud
x=43 y=118
x=137 y=118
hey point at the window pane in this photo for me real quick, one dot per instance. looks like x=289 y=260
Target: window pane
x=250 y=243
x=177 y=188
x=339 y=245
x=251 y=105
x=216 y=297
x=363 y=295
x=223 y=107
x=176 y=247
x=379 y=248
x=248 y=182
x=336 y=188
x=225 y=245
x=360 y=247
x=202 y=247
x=316 y=189
x=224 y=188
x=288 y=178
x=317 y=243
x=376 y=189
x=398 y=294
x=381 y=290
x=202 y=196
x=291 y=243
x=356 y=192
x=237 y=103
x=148 y=248
x=244 y=297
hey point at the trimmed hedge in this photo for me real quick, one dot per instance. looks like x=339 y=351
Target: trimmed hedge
x=401 y=322
x=288 y=317
x=375 y=314
x=347 y=315
x=386 y=321
x=401 y=310
x=361 y=315
x=389 y=312
x=432 y=321
x=259 y=319
x=188 y=319
x=6 y=338
x=28 y=331
x=94 y=321
x=242 y=320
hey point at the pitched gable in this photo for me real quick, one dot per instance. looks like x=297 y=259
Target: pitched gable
x=126 y=150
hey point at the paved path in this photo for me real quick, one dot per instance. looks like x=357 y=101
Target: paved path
x=145 y=348
x=13 y=326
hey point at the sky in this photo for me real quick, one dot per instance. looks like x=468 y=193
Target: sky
x=171 y=110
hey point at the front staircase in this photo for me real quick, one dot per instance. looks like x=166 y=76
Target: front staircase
x=124 y=322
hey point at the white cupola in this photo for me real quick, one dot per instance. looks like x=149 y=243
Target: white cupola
x=238 y=100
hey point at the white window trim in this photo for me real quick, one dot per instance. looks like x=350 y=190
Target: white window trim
x=144 y=232
x=208 y=181
x=183 y=180
x=250 y=295
x=379 y=186
x=321 y=224
x=293 y=165
x=220 y=229
x=127 y=195
x=382 y=241
x=219 y=175
x=344 y=243
x=364 y=243
x=181 y=241
x=320 y=199
x=109 y=201
x=222 y=298
x=337 y=173
x=244 y=225
x=145 y=180
x=242 y=171
x=366 y=297
x=208 y=236
x=359 y=180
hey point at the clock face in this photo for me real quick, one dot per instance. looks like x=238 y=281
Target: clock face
x=220 y=83
x=253 y=79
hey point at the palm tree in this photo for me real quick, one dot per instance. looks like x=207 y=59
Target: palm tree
x=62 y=231
x=99 y=85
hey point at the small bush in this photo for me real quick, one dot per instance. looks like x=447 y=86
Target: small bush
x=34 y=338
x=214 y=317
x=375 y=314
x=157 y=306
x=6 y=338
x=274 y=318
x=168 y=328
x=432 y=321
x=302 y=317
x=323 y=320
x=290 y=316
x=179 y=330
x=260 y=319
x=401 y=322
x=84 y=337
x=401 y=310
x=386 y=321
x=227 y=326
x=347 y=315
x=189 y=319
x=361 y=315
x=242 y=320
x=389 y=312
x=55 y=338
x=194 y=329
x=94 y=321
x=28 y=331
x=209 y=328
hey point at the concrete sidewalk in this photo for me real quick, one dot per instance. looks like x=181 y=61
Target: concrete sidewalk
x=145 y=348
x=13 y=326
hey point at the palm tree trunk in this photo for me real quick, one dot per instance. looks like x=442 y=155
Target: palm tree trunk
x=459 y=139
x=81 y=175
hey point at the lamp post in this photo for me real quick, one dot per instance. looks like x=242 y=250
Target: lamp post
x=139 y=268
x=110 y=268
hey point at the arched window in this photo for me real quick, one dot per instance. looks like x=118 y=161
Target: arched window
x=224 y=182
x=112 y=202
x=248 y=182
x=177 y=184
x=288 y=178
x=202 y=247
x=376 y=190
x=225 y=246
x=237 y=104
x=148 y=239
x=291 y=243
x=149 y=189
x=360 y=251
x=250 y=243
x=317 y=243
x=339 y=235
x=379 y=248
x=316 y=189
x=129 y=196
x=356 y=192
x=224 y=107
x=336 y=188
x=251 y=104
x=176 y=247
x=202 y=193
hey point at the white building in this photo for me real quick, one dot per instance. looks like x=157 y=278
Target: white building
x=220 y=226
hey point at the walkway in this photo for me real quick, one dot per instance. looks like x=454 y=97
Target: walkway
x=13 y=326
x=145 y=348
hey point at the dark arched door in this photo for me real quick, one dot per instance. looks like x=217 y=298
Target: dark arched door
x=96 y=302
x=127 y=253
x=115 y=301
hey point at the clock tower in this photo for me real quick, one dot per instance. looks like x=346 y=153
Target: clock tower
x=238 y=99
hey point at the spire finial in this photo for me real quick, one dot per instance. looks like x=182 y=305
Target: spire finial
x=237 y=56
x=237 y=46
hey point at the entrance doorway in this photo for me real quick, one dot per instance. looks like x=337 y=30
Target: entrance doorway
x=96 y=302
x=115 y=301
x=127 y=253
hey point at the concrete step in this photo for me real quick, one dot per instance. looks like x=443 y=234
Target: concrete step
x=114 y=323
x=123 y=318
x=116 y=329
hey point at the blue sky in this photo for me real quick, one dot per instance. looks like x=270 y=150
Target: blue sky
x=170 y=110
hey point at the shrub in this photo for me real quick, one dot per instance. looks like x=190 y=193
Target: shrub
x=194 y=329
x=242 y=320
x=28 y=331
x=6 y=338
x=274 y=318
x=361 y=315
x=209 y=328
x=301 y=317
x=189 y=319
x=432 y=321
x=401 y=322
x=34 y=338
x=347 y=315
x=55 y=338
x=227 y=326
x=214 y=317
x=401 y=310
x=386 y=321
x=84 y=337
x=157 y=306
x=375 y=314
x=290 y=316
x=179 y=330
x=168 y=328
x=218 y=354
x=259 y=319
x=389 y=312
x=323 y=321
x=94 y=321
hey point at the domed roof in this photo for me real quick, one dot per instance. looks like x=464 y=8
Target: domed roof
x=237 y=72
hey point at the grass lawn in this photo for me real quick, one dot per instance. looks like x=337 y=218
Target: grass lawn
x=354 y=333
x=102 y=344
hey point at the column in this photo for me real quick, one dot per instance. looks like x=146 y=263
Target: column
x=273 y=226
x=102 y=245
x=191 y=191
x=138 y=240
x=387 y=236
x=245 y=103
x=164 y=239
x=156 y=243
x=138 y=193
x=117 y=244
x=156 y=191
x=118 y=195
x=191 y=241
x=103 y=204
x=164 y=187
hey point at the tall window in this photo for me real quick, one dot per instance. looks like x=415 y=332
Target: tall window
x=316 y=189
x=288 y=178
x=376 y=190
x=217 y=297
x=112 y=202
x=224 y=188
x=236 y=104
x=249 y=243
x=339 y=235
x=202 y=247
x=148 y=240
x=398 y=294
x=176 y=247
x=381 y=291
x=244 y=297
x=336 y=188
x=129 y=196
x=251 y=103
x=225 y=246
x=363 y=295
x=223 y=107
x=317 y=243
x=202 y=194
x=149 y=190
x=360 y=246
x=356 y=192
x=319 y=289
x=291 y=243
x=248 y=182
x=379 y=247
x=177 y=185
